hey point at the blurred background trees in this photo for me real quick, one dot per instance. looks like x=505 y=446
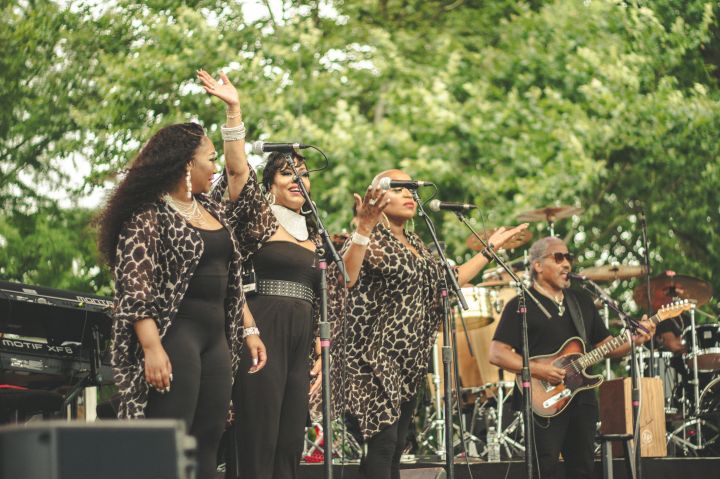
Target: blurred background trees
x=608 y=105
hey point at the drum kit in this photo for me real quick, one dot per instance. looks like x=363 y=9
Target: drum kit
x=495 y=432
x=692 y=378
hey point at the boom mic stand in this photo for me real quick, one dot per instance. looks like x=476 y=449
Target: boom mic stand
x=324 y=324
x=447 y=349
x=523 y=292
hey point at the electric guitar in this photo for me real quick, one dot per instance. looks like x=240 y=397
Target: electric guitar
x=549 y=400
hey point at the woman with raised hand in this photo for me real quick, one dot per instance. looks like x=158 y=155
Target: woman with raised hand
x=393 y=314
x=178 y=322
x=282 y=243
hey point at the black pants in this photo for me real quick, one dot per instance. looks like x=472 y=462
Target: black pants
x=572 y=432
x=272 y=405
x=382 y=460
x=202 y=378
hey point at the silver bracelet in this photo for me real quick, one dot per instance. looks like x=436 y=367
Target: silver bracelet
x=233 y=133
x=359 y=239
x=250 y=332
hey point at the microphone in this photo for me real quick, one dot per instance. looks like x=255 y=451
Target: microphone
x=260 y=147
x=437 y=205
x=579 y=277
x=387 y=183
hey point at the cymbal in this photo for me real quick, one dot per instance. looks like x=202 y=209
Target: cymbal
x=549 y=213
x=612 y=272
x=668 y=286
x=515 y=241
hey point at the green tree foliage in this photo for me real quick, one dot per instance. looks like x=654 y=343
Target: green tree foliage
x=608 y=105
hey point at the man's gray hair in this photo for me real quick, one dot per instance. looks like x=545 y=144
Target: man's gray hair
x=539 y=249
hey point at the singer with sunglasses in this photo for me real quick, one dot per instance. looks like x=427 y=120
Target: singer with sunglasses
x=393 y=310
x=572 y=431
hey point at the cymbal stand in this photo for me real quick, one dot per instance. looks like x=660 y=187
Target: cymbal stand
x=551 y=225
x=696 y=380
x=504 y=435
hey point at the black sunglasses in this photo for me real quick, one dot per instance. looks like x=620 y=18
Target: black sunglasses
x=559 y=257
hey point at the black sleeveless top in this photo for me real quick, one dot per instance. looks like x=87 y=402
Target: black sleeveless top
x=210 y=280
x=287 y=261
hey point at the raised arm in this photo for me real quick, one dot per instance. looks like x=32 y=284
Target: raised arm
x=236 y=164
x=468 y=270
x=368 y=212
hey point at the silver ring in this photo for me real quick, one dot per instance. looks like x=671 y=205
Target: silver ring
x=372 y=201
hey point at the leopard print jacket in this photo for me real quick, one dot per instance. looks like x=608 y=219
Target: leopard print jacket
x=157 y=253
x=384 y=329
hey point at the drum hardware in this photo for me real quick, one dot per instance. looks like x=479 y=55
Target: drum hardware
x=707 y=354
x=501 y=438
x=550 y=215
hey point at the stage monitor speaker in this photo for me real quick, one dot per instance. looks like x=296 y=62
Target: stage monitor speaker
x=616 y=414
x=142 y=449
x=423 y=473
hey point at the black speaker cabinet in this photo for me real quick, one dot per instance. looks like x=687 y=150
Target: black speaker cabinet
x=142 y=449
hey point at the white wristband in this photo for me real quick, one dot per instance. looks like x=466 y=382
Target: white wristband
x=233 y=133
x=359 y=239
x=252 y=331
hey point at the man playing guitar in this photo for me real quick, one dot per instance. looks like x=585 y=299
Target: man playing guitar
x=573 y=314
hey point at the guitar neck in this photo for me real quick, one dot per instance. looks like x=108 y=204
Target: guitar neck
x=599 y=353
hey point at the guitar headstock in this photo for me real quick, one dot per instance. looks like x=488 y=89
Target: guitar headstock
x=674 y=309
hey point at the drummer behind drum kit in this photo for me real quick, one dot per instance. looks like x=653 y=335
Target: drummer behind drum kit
x=496 y=432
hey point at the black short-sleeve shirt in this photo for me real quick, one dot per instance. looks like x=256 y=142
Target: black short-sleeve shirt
x=546 y=336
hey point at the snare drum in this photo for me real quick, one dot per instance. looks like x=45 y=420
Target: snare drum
x=708 y=347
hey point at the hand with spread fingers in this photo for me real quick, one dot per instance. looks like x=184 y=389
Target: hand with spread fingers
x=223 y=88
x=502 y=235
x=368 y=210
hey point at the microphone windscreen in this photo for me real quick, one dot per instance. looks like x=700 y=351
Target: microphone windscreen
x=434 y=205
x=384 y=183
x=258 y=147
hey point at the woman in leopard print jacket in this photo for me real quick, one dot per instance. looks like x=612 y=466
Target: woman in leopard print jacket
x=393 y=314
x=178 y=319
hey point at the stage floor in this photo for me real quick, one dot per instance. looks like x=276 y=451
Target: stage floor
x=655 y=468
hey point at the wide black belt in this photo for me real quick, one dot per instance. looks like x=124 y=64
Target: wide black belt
x=289 y=289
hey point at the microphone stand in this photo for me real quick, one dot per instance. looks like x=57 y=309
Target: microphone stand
x=646 y=258
x=633 y=326
x=447 y=347
x=523 y=292
x=324 y=325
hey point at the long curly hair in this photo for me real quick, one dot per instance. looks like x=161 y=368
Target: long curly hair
x=156 y=170
x=277 y=161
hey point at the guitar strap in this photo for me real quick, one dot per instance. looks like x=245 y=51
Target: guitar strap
x=576 y=315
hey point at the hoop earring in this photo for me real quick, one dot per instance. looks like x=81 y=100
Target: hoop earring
x=386 y=221
x=188 y=184
x=270 y=197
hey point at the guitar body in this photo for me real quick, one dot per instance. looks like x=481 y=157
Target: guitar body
x=550 y=400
